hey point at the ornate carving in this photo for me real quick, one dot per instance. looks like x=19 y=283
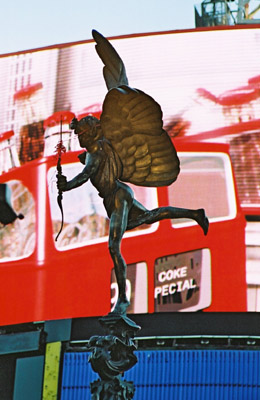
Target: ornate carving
x=111 y=356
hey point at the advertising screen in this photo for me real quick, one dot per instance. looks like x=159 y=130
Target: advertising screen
x=204 y=81
x=207 y=83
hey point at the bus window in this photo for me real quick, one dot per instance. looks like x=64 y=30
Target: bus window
x=183 y=281
x=205 y=181
x=17 y=240
x=136 y=288
x=85 y=218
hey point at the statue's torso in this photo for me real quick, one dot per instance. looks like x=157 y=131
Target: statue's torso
x=108 y=171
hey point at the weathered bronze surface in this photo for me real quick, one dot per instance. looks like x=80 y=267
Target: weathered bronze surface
x=111 y=356
x=128 y=144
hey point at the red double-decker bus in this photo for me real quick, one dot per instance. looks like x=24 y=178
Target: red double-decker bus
x=172 y=266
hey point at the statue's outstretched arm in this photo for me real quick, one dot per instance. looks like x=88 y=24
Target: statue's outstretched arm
x=64 y=185
x=81 y=178
x=78 y=180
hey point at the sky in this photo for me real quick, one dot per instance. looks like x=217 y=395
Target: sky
x=28 y=24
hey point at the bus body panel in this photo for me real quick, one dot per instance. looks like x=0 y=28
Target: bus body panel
x=75 y=282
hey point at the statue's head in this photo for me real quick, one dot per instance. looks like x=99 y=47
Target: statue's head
x=88 y=130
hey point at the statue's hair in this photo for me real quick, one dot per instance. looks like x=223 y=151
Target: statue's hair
x=89 y=120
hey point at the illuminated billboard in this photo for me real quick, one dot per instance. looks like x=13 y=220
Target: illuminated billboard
x=203 y=80
x=207 y=77
x=208 y=85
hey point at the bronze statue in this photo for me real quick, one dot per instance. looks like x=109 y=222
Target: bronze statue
x=127 y=144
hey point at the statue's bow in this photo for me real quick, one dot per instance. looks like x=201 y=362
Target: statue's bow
x=59 y=150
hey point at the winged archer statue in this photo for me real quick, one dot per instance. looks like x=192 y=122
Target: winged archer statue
x=127 y=144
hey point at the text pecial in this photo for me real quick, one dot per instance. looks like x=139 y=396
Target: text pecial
x=179 y=285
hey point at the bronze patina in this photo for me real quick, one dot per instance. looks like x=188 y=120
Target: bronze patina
x=127 y=144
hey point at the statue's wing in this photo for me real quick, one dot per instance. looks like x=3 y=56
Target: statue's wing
x=132 y=122
x=114 y=69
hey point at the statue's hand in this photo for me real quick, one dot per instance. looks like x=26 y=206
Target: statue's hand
x=61 y=183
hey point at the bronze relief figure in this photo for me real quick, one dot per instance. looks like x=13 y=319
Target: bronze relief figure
x=127 y=144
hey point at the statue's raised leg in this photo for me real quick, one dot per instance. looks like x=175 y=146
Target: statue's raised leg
x=158 y=214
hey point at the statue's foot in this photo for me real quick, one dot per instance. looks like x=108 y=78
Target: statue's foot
x=202 y=220
x=121 y=306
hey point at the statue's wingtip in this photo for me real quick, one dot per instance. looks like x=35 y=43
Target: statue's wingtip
x=95 y=33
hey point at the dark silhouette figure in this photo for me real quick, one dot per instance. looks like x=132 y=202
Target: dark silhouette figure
x=128 y=144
